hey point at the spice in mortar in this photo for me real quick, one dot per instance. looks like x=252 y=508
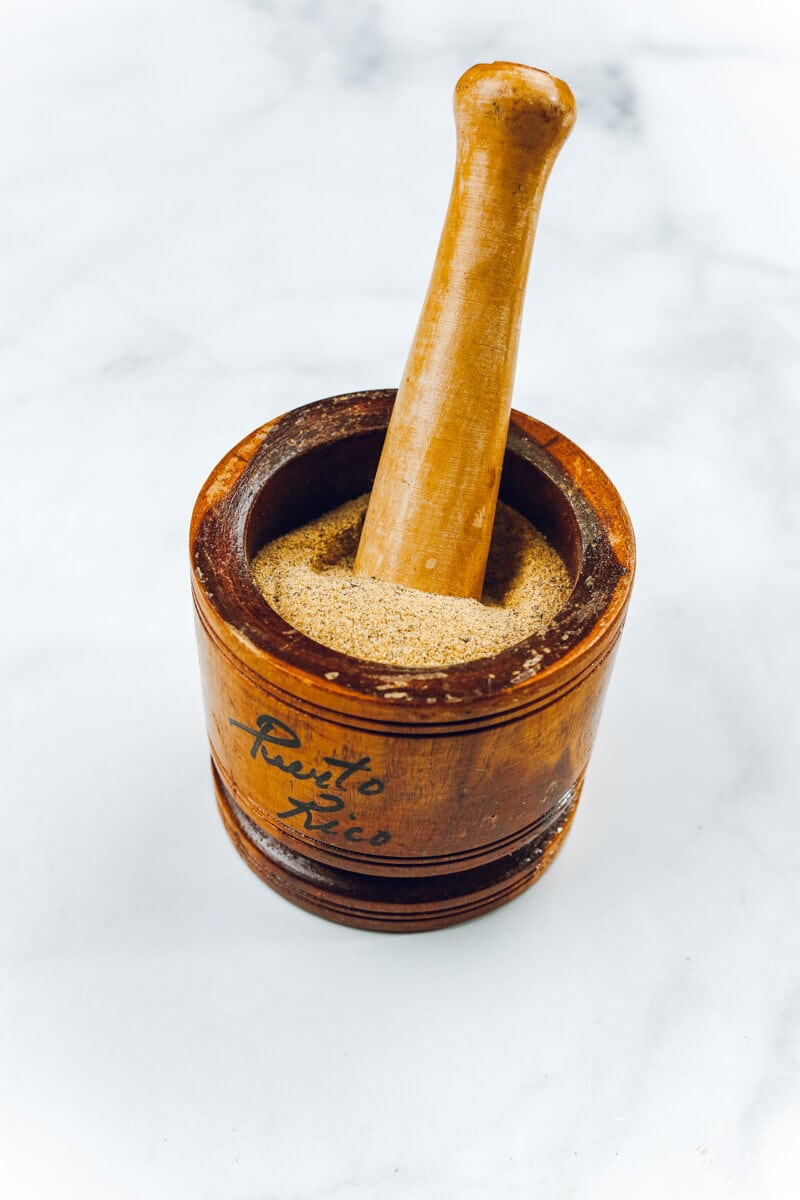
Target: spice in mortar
x=307 y=576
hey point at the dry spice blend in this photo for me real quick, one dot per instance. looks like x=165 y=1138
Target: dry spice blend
x=307 y=577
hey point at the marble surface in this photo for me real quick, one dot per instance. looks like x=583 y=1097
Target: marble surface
x=212 y=212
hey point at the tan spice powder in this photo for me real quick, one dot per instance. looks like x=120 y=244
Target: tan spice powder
x=307 y=577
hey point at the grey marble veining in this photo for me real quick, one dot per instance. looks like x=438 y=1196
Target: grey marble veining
x=211 y=212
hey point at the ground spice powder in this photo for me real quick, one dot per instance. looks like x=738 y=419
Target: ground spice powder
x=307 y=577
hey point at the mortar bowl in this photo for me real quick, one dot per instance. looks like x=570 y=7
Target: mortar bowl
x=395 y=798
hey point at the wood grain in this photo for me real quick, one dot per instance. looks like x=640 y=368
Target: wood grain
x=430 y=518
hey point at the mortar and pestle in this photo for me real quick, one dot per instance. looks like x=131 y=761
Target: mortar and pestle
x=396 y=798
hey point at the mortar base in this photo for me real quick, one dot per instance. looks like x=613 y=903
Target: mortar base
x=390 y=904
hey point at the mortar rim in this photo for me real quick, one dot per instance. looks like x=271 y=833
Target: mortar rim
x=227 y=598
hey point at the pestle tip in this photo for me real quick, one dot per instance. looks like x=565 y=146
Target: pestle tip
x=516 y=95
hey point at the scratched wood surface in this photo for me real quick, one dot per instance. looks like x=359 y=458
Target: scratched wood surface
x=431 y=513
x=385 y=798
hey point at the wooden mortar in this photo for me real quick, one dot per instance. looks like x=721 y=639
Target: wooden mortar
x=398 y=799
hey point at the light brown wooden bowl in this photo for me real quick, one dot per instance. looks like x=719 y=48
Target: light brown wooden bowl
x=396 y=798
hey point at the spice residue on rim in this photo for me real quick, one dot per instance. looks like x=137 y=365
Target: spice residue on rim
x=307 y=577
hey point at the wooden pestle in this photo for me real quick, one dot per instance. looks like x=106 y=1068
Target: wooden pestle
x=431 y=513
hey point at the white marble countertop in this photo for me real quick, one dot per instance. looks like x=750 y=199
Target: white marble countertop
x=213 y=212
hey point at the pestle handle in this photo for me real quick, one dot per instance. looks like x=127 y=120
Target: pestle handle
x=430 y=516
